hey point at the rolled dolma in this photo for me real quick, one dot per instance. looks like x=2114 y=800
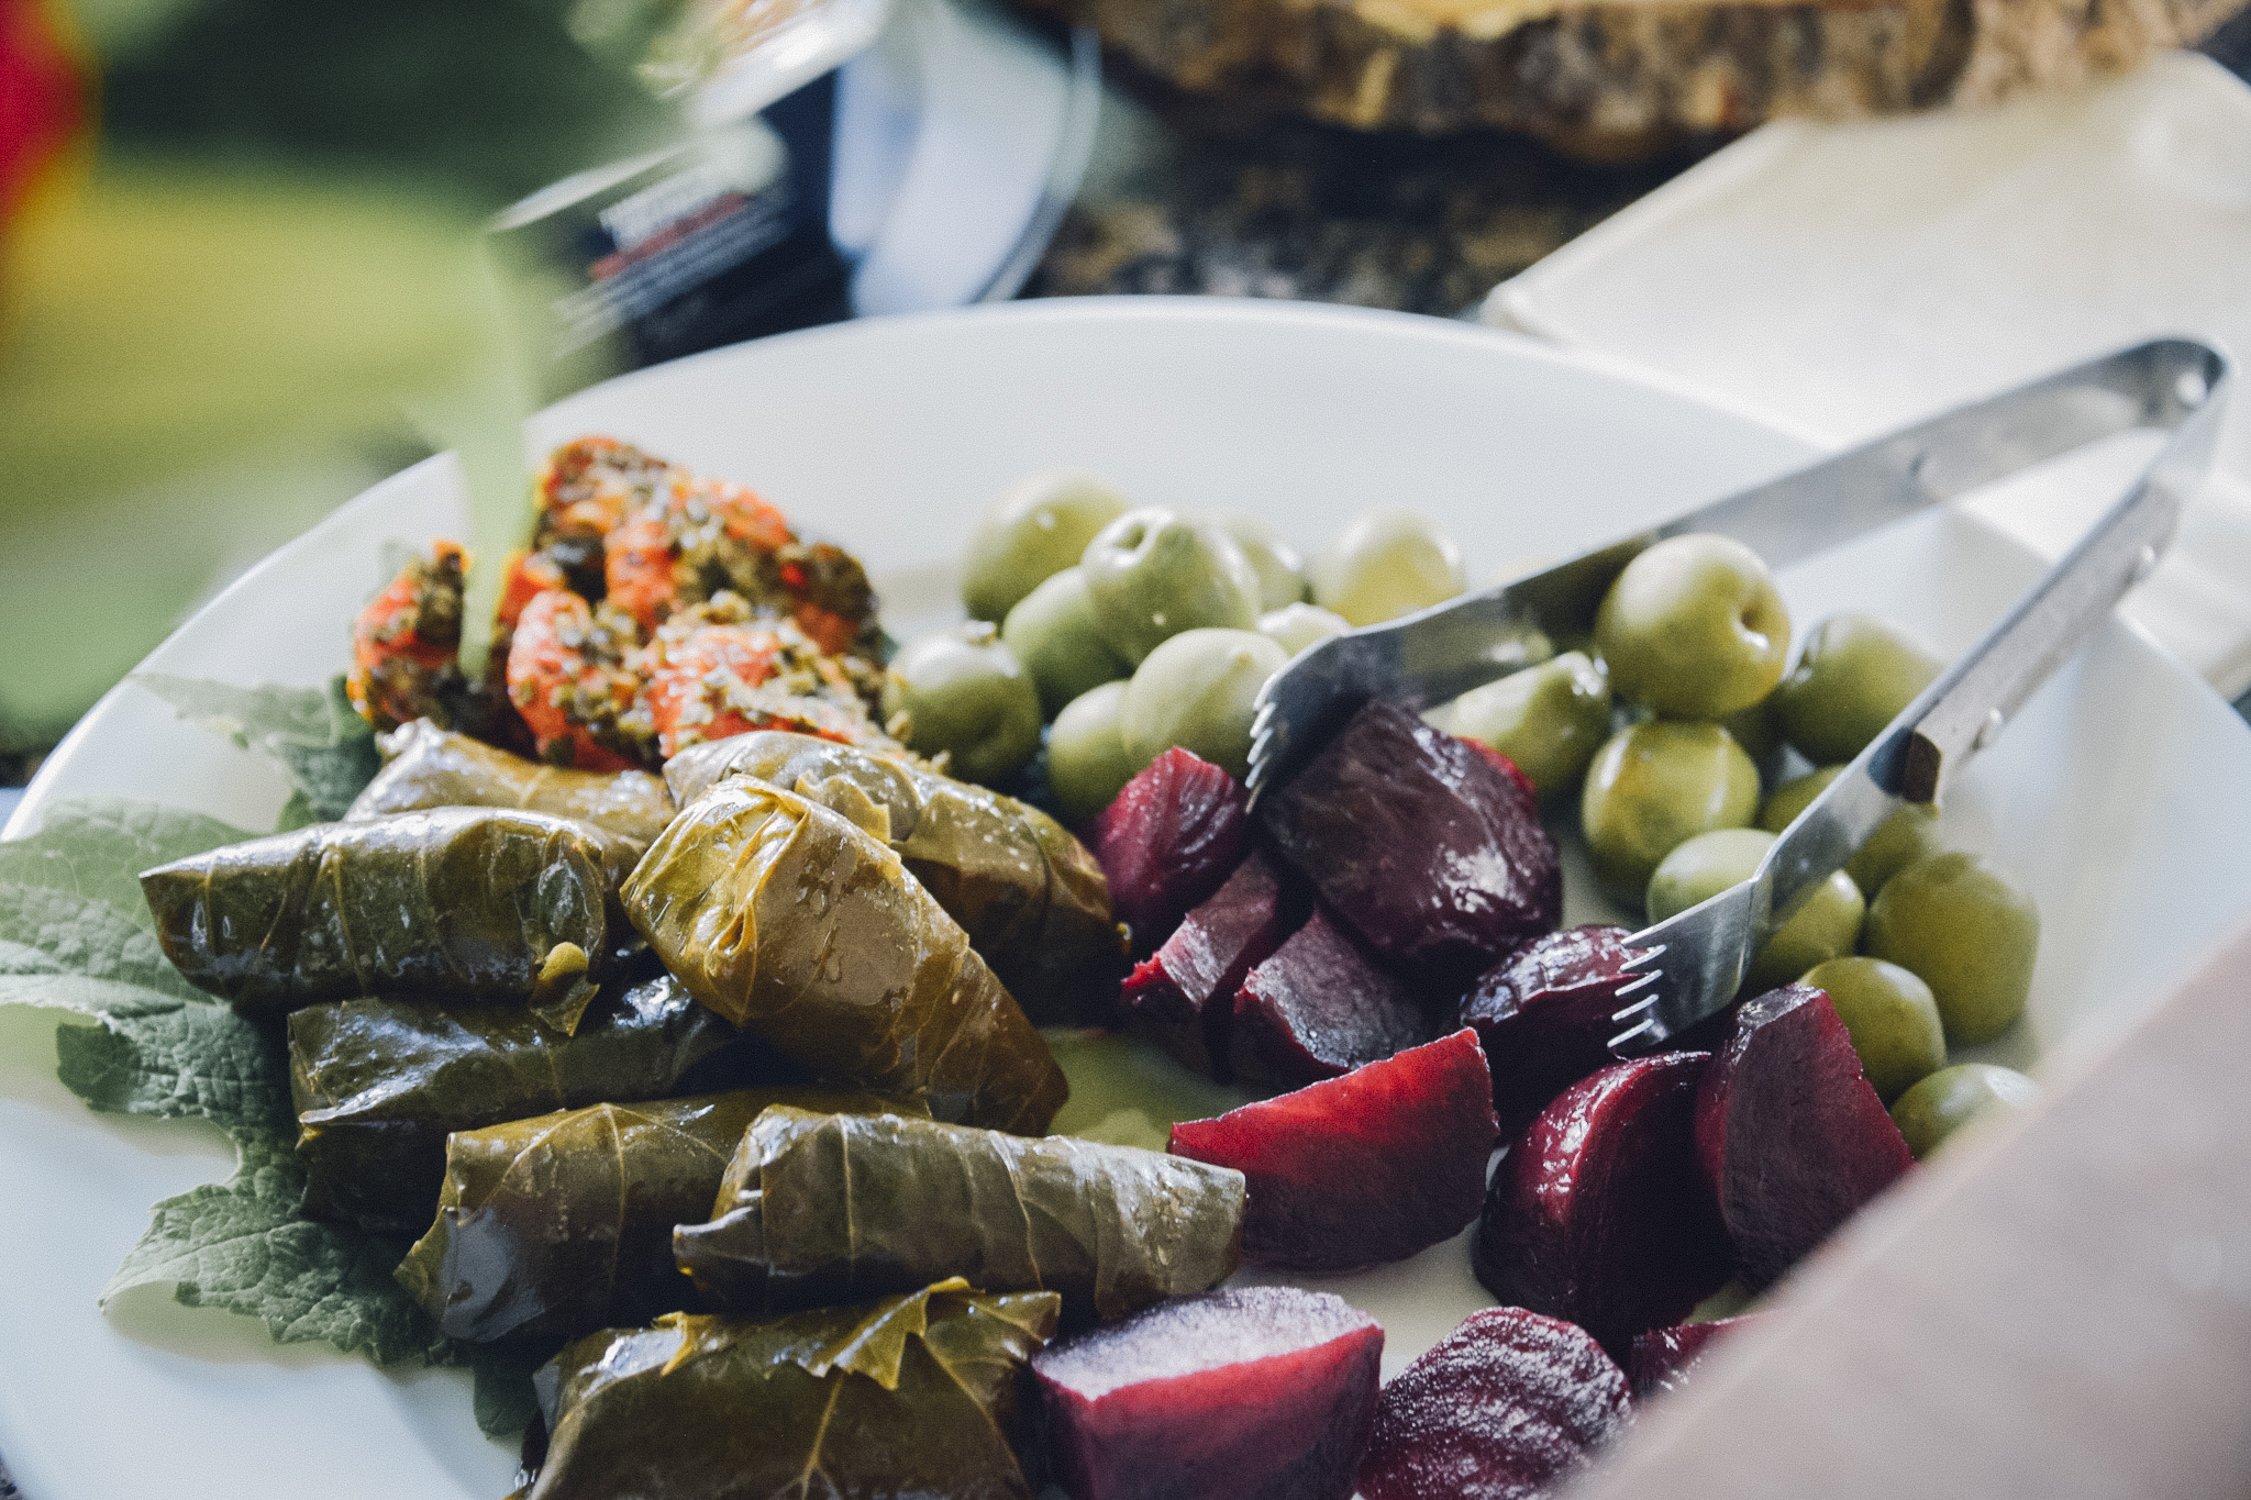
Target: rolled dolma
x=791 y=920
x=551 y=1227
x=379 y=1084
x=470 y=902
x=1032 y=899
x=833 y=1208
x=425 y=766
x=913 y=1396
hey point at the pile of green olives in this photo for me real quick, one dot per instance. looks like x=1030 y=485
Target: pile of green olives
x=1681 y=729
x=1117 y=632
x=1677 y=726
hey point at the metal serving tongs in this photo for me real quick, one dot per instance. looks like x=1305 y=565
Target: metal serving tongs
x=1692 y=964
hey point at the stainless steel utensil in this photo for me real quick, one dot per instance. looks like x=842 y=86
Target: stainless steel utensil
x=1693 y=963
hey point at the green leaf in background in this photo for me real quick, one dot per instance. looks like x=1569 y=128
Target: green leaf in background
x=75 y=935
x=96 y=848
x=327 y=749
x=193 y=1061
x=244 y=1247
x=62 y=932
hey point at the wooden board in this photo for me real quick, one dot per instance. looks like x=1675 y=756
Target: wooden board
x=1625 y=77
x=2059 y=1309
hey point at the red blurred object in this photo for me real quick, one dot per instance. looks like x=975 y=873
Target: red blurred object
x=42 y=98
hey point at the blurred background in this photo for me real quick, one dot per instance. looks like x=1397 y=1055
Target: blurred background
x=256 y=254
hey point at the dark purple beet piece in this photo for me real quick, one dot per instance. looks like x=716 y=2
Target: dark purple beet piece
x=1252 y=1393
x=1168 y=840
x=1431 y=851
x=1183 y=995
x=1358 y=1170
x=1663 y=1358
x=1544 y=1016
x=1319 y=1006
x=1500 y=1409
x=1601 y=1214
x=1791 y=1136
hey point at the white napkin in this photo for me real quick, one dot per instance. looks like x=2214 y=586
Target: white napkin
x=1845 y=278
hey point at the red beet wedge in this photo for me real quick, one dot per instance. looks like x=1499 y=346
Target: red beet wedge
x=1499 y=1409
x=1168 y=840
x=1256 y=1393
x=1601 y=1214
x=1358 y=1170
x=1791 y=1136
x=1432 y=852
x=1183 y=995
x=1544 y=1016
x=1320 y=1006
x=1663 y=1358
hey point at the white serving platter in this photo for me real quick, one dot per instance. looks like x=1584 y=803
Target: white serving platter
x=2122 y=795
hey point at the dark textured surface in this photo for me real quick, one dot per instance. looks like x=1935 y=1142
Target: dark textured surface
x=1217 y=203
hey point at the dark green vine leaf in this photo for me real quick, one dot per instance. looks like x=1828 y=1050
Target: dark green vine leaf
x=97 y=847
x=75 y=935
x=313 y=734
x=243 y=1246
x=200 y=1061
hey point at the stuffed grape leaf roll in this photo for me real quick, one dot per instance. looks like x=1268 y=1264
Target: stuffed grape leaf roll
x=1031 y=897
x=914 y=1396
x=378 y=1085
x=470 y=902
x=426 y=766
x=793 y=921
x=834 y=1208
x=551 y=1227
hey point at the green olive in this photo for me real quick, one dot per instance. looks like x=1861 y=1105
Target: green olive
x=1943 y=1103
x=1031 y=531
x=1299 y=627
x=1901 y=839
x=1854 y=676
x=1387 y=563
x=1196 y=691
x=1087 y=761
x=1154 y=573
x=1755 y=730
x=1892 y=1017
x=1969 y=931
x=1825 y=925
x=1694 y=628
x=1281 y=572
x=1549 y=719
x=1054 y=634
x=1652 y=787
x=1794 y=796
x=1906 y=836
x=964 y=695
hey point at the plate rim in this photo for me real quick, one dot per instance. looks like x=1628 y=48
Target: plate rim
x=1212 y=312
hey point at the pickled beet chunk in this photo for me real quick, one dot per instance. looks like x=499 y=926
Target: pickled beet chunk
x=1502 y=1408
x=1183 y=995
x=1544 y=1014
x=1432 y=852
x=1355 y=1171
x=1251 y=1393
x=1318 y=1006
x=1168 y=840
x=1663 y=1358
x=1791 y=1137
x=1601 y=1214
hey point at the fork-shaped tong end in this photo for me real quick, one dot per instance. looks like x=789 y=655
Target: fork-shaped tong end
x=1690 y=966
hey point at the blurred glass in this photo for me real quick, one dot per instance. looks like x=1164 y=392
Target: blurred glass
x=243 y=296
